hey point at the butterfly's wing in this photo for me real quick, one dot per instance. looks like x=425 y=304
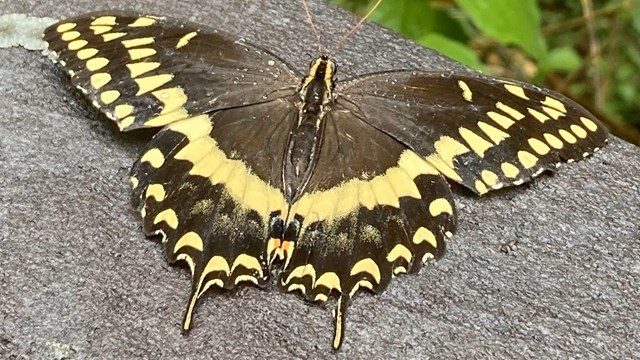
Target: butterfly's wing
x=484 y=133
x=148 y=71
x=372 y=209
x=379 y=204
x=207 y=182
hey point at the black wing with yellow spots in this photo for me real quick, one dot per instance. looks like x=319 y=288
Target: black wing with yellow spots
x=340 y=188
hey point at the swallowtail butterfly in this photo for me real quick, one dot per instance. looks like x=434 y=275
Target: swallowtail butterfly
x=340 y=185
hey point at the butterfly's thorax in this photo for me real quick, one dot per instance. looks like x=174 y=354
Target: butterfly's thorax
x=305 y=138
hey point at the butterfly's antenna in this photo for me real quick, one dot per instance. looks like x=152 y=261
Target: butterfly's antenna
x=344 y=37
x=323 y=49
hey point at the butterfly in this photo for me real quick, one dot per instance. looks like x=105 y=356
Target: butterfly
x=338 y=185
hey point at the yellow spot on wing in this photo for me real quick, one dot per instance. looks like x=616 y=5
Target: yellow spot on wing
x=589 y=124
x=481 y=188
x=190 y=239
x=448 y=148
x=399 y=251
x=185 y=39
x=100 y=29
x=77 y=44
x=538 y=146
x=489 y=178
x=555 y=114
x=553 y=141
x=568 y=137
x=423 y=234
x=105 y=20
x=554 y=104
x=516 y=90
x=500 y=119
x=172 y=99
x=440 y=206
x=169 y=217
x=65 y=27
x=126 y=122
x=510 y=111
x=123 y=110
x=141 y=53
x=367 y=266
x=142 y=22
x=97 y=63
x=70 y=35
x=99 y=80
x=150 y=83
x=112 y=36
x=86 y=53
x=475 y=142
x=509 y=170
x=155 y=191
x=134 y=182
x=329 y=280
x=538 y=115
x=527 y=159
x=109 y=96
x=140 y=68
x=496 y=135
x=137 y=42
x=154 y=157
x=579 y=131
x=466 y=91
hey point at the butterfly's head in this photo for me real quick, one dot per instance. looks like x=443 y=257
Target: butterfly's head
x=324 y=69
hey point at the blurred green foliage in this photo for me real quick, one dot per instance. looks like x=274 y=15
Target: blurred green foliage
x=548 y=42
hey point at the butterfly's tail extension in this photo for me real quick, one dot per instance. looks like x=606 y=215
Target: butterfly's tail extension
x=339 y=320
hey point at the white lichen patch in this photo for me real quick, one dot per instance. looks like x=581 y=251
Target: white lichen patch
x=23 y=30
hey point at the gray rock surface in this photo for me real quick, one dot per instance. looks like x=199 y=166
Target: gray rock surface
x=78 y=279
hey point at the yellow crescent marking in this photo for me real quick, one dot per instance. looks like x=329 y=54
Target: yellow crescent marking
x=140 y=68
x=424 y=234
x=527 y=159
x=154 y=157
x=188 y=260
x=134 y=182
x=516 y=90
x=142 y=22
x=97 y=63
x=538 y=115
x=439 y=206
x=141 y=53
x=302 y=271
x=137 y=42
x=490 y=178
x=321 y=298
x=568 y=137
x=553 y=141
x=399 y=270
x=150 y=83
x=515 y=114
x=466 y=91
x=500 y=119
x=216 y=263
x=99 y=80
x=185 y=39
x=475 y=142
x=509 y=170
x=330 y=280
x=213 y=282
x=169 y=217
x=190 y=239
x=155 y=191
x=109 y=96
x=579 y=131
x=589 y=124
x=77 y=44
x=294 y=287
x=538 y=146
x=426 y=257
x=368 y=266
x=245 y=278
x=65 y=27
x=105 y=20
x=100 y=29
x=84 y=54
x=399 y=251
x=496 y=135
x=554 y=104
x=248 y=262
x=113 y=36
x=69 y=35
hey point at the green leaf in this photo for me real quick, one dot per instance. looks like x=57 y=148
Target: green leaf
x=564 y=59
x=515 y=22
x=453 y=49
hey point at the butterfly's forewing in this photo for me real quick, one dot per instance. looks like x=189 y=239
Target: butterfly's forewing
x=148 y=71
x=484 y=133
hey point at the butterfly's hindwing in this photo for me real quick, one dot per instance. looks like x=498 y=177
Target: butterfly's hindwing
x=484 y=133
x=147 y=71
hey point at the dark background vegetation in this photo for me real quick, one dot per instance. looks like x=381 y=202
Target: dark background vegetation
x=586 y=49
